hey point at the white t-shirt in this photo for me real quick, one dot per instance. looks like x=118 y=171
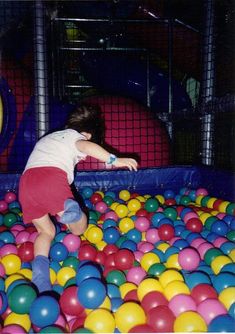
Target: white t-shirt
x=57 y=149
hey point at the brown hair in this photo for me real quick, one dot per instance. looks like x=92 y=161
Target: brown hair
x=87 y=118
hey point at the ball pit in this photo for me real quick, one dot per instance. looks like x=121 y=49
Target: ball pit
x=146 y=263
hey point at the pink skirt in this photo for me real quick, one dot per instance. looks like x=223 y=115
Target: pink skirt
x=43 y=190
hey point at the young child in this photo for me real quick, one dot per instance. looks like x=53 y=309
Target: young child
x=44 y=188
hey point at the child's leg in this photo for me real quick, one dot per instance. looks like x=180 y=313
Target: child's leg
x=73 y=217
x=40 y=265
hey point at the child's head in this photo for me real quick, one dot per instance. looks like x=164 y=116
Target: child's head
x=87 y=118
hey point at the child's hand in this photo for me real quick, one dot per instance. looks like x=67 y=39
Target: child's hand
x=131 y=164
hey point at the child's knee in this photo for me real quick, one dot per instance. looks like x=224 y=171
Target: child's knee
x=80 y=226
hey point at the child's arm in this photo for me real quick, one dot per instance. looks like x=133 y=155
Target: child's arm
x=98 y=152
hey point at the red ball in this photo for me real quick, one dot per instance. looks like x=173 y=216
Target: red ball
x=142 y=329
x=100 y=257
x=153 y=299
x=26 y=251
x=203 y=291
x=142 y=213
x=110 y=260
x=166 y=232
x=170 y=201
x=69 y=302
x=87 y=252
x=110 y=248
x=161 y=319
x=194 y=225
x=131 y=296
x=124 y=259
x=95 y=198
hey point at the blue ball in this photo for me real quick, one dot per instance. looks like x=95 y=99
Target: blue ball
x=178 y=230
x=44 y=311
x=226 y=247
x=192 y=236
x=86 y=192
x=169 y=194
x=111 y=235
x=155 y=219
x=113 y=291
x=91 y=293
x=134 y=235
x=219 y=227
x=58 y=252
x=223 y=281
x=229 y=267
x=181 y=244
x=4 y=302
x=222 y=324
x=165 y=221
x=231 y=310
x=129 y=244
x=109 y=223
x=87 y=271
x=116 y=303
x=197 y=277
x=7 y=237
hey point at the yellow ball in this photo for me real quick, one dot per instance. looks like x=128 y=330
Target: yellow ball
x=100 y=192
x=175 y=288
x=149 y=259
x=94 y=234
x=198 y=199
x=163 y=246
x=12 y=278
x=100 y=321
x=134 y=204
x=172 y=262
x=148 y=285
x=170 y=275
x=27 y=273
x=218 y=263
x=142 y=199
x=223 y=206
x=232 y=255
x=124 y=195
x=126 y=224
x=204 y=216
x=227 y=296
x=64 y=274
x=52 y=275
x=128 y=315
x=105 y=305
x=18 y=319
x=160 y=199
x=126 y=287
x=121 y=210
x=210 y=202
x=11 y=263
x=190 y=321
x=100 y=246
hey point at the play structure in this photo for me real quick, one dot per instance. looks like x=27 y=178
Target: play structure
x=158 y=254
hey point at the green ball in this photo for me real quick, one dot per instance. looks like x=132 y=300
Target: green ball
x=230 y=210
x=170 y=213
x=116 y=277
x=205 y=200
x=151 y=205
x=156 y=269
x=120 y=240
x=83 y=330
x=21 y=297
x=185 y=200
x=94 y=215
x=72 y=262
x=231 y=236
x=70 y=282
x=51 y=329
x=108 y=200
x=209 y=221
x=9 y=219
x=211 y=254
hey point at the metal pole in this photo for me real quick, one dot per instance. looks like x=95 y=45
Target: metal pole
x=208 y=83
x=170 y=93
x=40 y=70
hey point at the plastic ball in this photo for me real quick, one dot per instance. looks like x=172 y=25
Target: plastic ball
x=11 y=263
x=222 y=324
x=218 y=263
x=21 y=298
x=124 y=259
x=94 y=234
x=136 y=275
x=142 y=329
x=124 y=195
x=133 y=205
x=58 y=252
x=72 y=242
x=153 y=299
x=190 y=321
x=223 y=281
x=126 y=224
x=91 y=293
x=12 y=329
x=64 y=274
x=9 y=219
x=100 y=321
x=189 y=259
x=202 y=292
x=170 y=275
x=166 y=232
x=87 y=252
x=151 y=205
x=182 y=303
x=227 y=297
x=111 y=235
x=22 y=320
x=148 y=259
x=3 y=206
x=128 y=315
x=44 y=311
x=161 y=318
x=121 y=210
x=26 y=251
x=210 y=308
x=116 y=277
x=147 y=285
x=142 y=224
x=69 y=302
x=89 y=270
x=10 y=197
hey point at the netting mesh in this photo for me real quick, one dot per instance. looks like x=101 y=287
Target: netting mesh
x=162 y=77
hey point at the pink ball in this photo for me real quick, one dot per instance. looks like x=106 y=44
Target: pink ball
x=136 y=275
x=101 y=207
x=219 y=241
x=152 y=235
x=111 y=215
x=2 y=270
x=210 y=308
x=189 y=259
x=221 y=215
x=197 y=242
x=145 y=247
x=138 y=255
x=22 y=236
x=190 y=215
x=142 y=224
x=182 y=303
x=13 y=329
x=72 y=242
x=203 y=248
x=202 y=192
x=33 y=236
x=10 y=197
x=160 y=209
x=3 y=206
x=172 y=240
x=8 y=249
x=17 y=227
